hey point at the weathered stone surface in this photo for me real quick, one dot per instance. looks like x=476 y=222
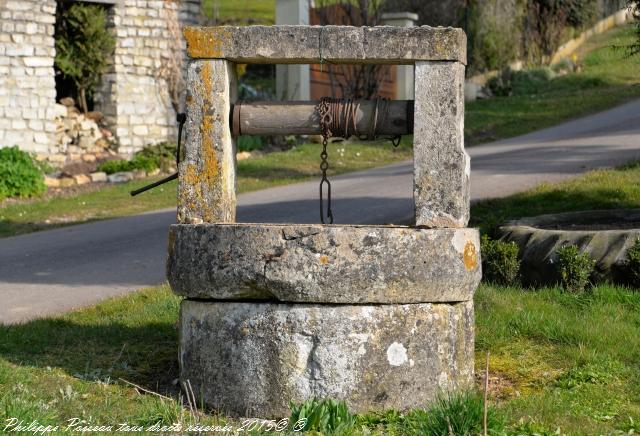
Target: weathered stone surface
x=121 y=177
x=335 y=44
x=98 y=176
x=324 y=264
x=441 y=165
x=207 y=175
x=605 y=234
x=251 y=359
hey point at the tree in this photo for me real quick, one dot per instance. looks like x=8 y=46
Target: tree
x=84 y=47
x=634 y=10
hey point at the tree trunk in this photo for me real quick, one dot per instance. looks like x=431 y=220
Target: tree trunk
x=83 y=101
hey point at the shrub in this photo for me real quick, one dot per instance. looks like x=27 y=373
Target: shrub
x=163 y=155
x=147 y=159
x=460 y=414
x=575 y=268
x=632 y=264
x=21 y=175
x=323 y=416
x=250 y=143
x=84 y=46
x=500 y=263
x=525 y=82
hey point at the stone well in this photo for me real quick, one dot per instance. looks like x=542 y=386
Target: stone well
x=378 y=316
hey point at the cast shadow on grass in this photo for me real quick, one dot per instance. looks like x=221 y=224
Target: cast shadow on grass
x=145 y=355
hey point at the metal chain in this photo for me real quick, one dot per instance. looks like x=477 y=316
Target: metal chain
x=326 y=118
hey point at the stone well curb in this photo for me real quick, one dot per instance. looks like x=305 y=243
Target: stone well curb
x=323 y=264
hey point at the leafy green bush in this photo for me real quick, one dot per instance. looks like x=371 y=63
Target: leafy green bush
x=21 y=175
x=250 y=143
x=524 y=82
x=137 y=163
x=151 y=157
x=632 y=264
x=460 y=414
x=323 y=416
x=500 y=263
x=575 y=268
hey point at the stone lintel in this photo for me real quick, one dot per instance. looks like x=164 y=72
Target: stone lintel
x=252 y=359
x=286 y=44
x=207 y=175
x=323 y=264
x=441 y=165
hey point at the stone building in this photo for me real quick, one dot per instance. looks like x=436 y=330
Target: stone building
x=134 y=95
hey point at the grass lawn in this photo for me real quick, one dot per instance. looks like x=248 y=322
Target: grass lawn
x=241 y=11
x=607 y=79
x=558 y=361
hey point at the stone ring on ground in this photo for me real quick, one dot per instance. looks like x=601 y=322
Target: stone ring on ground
x=605 y=234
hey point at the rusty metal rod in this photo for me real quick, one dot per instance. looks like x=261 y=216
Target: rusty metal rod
x=268 y=118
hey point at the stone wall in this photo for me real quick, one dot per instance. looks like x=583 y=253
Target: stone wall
x=27 y=84
x=134 y=95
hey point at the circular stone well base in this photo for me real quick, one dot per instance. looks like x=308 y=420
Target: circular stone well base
x=605 y=234
x=252 y=359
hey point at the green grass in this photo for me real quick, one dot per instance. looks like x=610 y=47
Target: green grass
x=607 y=78
x=274 y=169
x=557 y=360
x=241 y=11
x=553 y=365
x=602 y=189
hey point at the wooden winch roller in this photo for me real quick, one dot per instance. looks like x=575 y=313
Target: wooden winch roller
x=372 y=118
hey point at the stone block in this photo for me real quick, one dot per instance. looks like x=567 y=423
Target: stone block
x=252 y=359
x=98 y=176
x=125 y=176
x=207 y=181
x=82 y=179
x=315 y=263
x=335 y=44
x=51 y=182
x=38 y=61
x=441 y=165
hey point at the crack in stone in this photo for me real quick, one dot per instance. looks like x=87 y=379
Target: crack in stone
x=294 y=238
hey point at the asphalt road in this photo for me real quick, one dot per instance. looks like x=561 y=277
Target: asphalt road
x=58 y=270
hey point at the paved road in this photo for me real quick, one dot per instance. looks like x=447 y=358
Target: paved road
x=57 y=270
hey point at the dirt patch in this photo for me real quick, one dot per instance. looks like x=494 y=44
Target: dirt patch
x=500 y=386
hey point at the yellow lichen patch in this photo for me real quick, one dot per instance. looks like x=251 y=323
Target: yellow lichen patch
x=470 y=256
x=324 y=260
x=205 y=75
x=190 y=175
x=210 y=167
x=206 y=42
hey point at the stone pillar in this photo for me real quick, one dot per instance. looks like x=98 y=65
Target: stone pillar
x=207 y=175
x=292 y=81
x=404 y=73
x=27 y=84
x=135 y=94
x=441 y=165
